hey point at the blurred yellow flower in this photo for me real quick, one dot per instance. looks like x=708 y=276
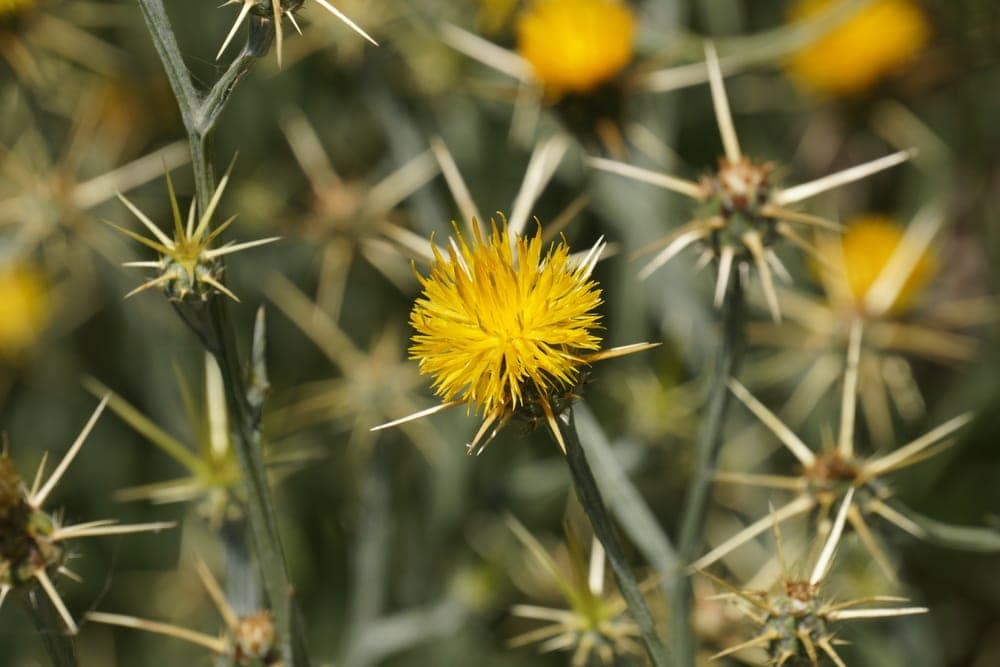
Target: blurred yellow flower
x=864 y=251
x=499 y=323
x=576 y=45
x=10 y=8
x=881 y=37
x=25 y=306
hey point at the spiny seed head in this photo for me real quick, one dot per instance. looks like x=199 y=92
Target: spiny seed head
x=574 y=46
x=877 y=40
x=189 y=267
x=499 y=323
x=741 y=186
x=25 y=532
x=734 y=196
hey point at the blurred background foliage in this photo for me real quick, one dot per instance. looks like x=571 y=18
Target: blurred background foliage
x=398 y=543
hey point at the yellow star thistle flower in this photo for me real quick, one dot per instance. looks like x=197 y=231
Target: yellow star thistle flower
x=32 y=539
x=10 y=9
x=877 y=272
x=574 y=46
x=277 y=10
x=864 y=251
x=506 y=329
x=496 y=322
x=880 y=38
x=25 y=308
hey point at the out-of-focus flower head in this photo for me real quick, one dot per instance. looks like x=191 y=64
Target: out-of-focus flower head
x=742 y=213
x=250 y=640
x=574 y=46
x=352 y=217
x=878 y=272
x=795 y=624
x=38 y=38
x=595 y=628
x=879 y=39
x=213 y=484
x=25 y=309
x=33 y=540
x=275 y=11
x=835 y=473
x=865 y=249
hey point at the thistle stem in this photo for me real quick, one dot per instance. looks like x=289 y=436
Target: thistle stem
x=600 y=520
x=200 y=114
x=260 y=505
x=707 y=453
x=49 y=627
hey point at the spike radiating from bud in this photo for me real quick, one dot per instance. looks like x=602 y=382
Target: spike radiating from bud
x=32 y=540
x=188 y=268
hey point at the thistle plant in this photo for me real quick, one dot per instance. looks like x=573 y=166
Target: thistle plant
x=594 y=628
x=385 y=542
x=508 y=332
x=275 y=12
x=742 y=212
x=881 y=275
x=189 y=269
x=837 y=473
x=248 y=640
x=33 y=540
x=796 y=625
x=34 y=33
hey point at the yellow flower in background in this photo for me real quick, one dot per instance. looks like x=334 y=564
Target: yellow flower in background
x=25 y=306
x=880 y=38
x=574 y=46
x=864 y=251
x=11 y=8
x=499 y=323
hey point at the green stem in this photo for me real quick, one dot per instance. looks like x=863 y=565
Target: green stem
x=600 y=520
x=49 y=627
x=260 y=505
x=707 y=453
x=200 y=114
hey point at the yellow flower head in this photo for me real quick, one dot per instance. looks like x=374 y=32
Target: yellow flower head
x=576 y=45
x=12 y=8
x=25 y=306
x=865 y=249
x=499 y=323
x=877 y=40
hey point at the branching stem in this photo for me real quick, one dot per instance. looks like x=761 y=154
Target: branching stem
x=200 y=114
